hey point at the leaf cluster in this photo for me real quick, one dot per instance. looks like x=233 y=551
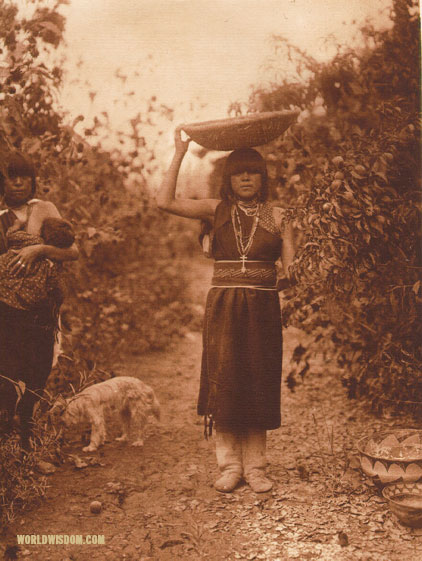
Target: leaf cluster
x=351 y=171
x=125 y=293
x=121 y=290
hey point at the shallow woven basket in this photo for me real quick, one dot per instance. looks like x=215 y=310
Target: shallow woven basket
x=241 y=132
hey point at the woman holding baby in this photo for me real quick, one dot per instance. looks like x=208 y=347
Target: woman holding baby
x=28 y=323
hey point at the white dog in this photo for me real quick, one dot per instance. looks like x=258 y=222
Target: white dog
x=129 y=398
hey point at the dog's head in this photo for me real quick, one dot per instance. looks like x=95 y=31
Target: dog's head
x=61 y=413
x=56 y=413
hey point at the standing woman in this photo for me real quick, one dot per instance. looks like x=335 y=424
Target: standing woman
x=27 y=336
x=240 y=384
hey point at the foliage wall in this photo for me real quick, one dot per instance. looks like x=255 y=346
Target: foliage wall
x=351 y=168
x=126 y=290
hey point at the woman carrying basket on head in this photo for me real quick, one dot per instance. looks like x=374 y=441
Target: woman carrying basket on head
x=240 y=383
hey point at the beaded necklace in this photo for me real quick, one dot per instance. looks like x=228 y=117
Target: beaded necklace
x=249 y=208
x=243 y=248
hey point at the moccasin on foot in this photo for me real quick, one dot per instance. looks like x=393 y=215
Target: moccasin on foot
x=258 y=481
x=227 y=482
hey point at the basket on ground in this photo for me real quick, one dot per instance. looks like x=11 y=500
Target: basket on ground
x=241 y=132
x=392 y=456
x=405 y=501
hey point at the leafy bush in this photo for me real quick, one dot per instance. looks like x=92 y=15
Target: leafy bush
x=122 y=276
x=22 y=484
x=351 y=169
x=126 y=292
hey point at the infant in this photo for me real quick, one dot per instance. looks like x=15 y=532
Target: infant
x=42 y=280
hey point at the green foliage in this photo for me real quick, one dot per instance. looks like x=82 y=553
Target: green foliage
x=122 y=276
x=20 y=484
x=126 y=293
x=351 y=169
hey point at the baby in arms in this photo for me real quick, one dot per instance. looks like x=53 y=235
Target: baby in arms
x=42 y=280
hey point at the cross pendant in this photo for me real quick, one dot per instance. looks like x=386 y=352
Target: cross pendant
x=243 y=259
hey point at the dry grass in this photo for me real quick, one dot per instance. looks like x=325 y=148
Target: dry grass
x=21 y=483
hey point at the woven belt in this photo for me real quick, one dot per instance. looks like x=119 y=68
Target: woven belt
x=255 y=274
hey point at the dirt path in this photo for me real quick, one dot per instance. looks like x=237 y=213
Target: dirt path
x=158 y=503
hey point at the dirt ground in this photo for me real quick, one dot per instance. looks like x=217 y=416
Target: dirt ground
x=158 y=502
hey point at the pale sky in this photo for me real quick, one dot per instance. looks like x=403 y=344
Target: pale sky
x=214 y=49
x=195 y=56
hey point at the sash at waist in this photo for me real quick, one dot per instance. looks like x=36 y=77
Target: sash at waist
x=251 y=273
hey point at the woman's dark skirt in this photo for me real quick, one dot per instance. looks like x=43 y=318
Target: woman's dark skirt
x=242 y=357
x=26 y=353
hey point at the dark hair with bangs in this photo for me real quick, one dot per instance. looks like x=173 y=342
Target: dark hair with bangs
x=18 y=166
x=244 y=159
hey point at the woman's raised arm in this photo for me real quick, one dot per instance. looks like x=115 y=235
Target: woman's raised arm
x=166 y=199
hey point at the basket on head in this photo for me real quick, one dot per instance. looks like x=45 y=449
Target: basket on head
x=241 y=132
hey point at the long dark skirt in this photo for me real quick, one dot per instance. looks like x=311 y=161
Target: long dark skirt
x=26 y=353
x=242 y=357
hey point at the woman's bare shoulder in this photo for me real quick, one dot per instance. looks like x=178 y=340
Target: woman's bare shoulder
x=209 y=207
x=213 y=204
x=278 y=211
x=46 y=208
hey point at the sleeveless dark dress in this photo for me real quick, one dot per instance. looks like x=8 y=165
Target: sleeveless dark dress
x=240 y=382
x=26 y=351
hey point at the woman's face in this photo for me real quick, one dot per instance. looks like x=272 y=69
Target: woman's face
x=246 y=184
x=18 y=190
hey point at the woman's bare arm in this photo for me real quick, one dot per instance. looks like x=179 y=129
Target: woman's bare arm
x=166 y=199
x=27 y=255
x=288 y=249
